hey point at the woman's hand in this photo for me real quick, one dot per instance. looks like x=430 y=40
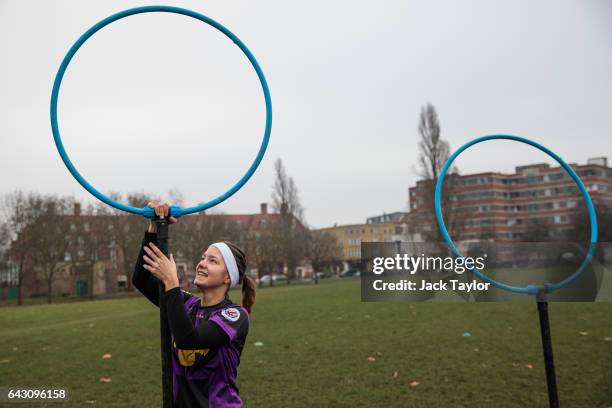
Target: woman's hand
x=162 y=210
x=159 y=265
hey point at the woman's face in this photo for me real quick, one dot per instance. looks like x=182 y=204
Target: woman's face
x=211 y=271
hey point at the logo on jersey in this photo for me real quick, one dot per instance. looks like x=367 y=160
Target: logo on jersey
x=231 y=313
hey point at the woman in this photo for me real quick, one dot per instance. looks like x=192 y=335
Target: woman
x=208 y=333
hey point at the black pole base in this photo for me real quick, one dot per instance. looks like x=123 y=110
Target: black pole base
x=551 y=379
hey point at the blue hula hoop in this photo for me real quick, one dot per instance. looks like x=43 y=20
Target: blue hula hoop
x=174 y=210
x=529 y=289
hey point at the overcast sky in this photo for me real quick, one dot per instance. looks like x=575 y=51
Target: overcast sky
x=160 y=101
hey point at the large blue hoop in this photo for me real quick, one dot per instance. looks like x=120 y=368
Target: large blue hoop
x=174 y=210
x=530 y=289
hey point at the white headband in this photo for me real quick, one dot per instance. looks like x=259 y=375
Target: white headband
x=230 y=262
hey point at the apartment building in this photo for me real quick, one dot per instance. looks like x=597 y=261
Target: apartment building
x=504 y=206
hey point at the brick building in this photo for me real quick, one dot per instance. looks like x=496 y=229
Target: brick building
x=504 y=206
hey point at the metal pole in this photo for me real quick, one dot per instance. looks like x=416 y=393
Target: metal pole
x=166 y=349
x=551 y=379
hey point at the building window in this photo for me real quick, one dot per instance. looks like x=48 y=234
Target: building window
x=354 y=253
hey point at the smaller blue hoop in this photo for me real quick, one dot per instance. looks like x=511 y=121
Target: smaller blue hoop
x=174 y=210
x=530 y=289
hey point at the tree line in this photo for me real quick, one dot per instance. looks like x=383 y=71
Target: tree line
x=49 y=237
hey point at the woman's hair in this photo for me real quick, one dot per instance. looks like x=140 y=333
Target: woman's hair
x=248 y=285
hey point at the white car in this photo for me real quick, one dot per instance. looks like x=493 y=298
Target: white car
x=275 y=278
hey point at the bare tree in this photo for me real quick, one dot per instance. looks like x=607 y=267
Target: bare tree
x=323 y=249
x=291 y=238
x=5 y=241
x=285 y=196
x=265 y=251
x=176 y=197
x=433 y=153
x=433 y=150
x=579 y=230
x=123 y=232
x=20 y=212
x=537 y=230
x=53 y=238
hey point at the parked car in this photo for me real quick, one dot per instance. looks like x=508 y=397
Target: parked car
x=277 y=277
x=350 y=273
x=321 y=275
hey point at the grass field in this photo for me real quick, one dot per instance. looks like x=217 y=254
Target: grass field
x=322 y=347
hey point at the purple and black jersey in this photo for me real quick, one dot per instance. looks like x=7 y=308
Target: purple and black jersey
x=207 y=376
x=207 y=342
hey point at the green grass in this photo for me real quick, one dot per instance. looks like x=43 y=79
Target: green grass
x=316 y=344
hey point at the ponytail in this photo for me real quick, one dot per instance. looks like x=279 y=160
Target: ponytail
x=248 y=293
x=248 y=285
